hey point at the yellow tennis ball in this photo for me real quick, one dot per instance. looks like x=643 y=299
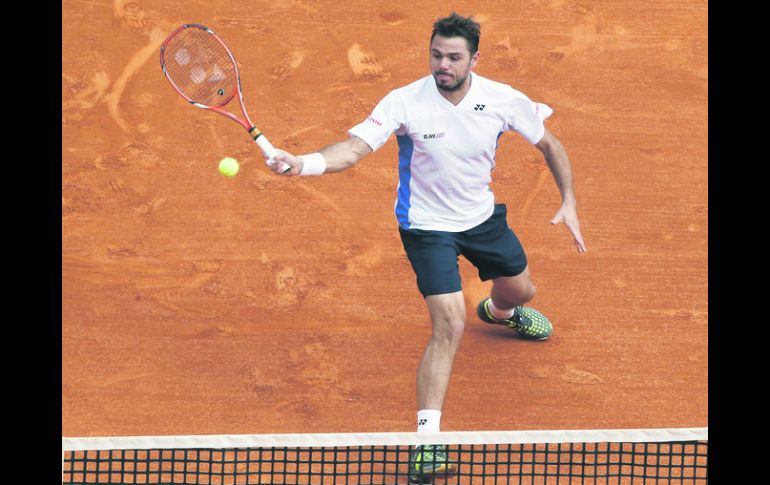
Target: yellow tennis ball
x=228 y=167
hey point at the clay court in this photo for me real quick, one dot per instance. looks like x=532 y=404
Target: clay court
x=193 y=303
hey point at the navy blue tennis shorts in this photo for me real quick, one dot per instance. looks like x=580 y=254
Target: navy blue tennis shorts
x=491 y=247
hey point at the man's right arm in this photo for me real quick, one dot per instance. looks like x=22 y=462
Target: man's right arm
x=337 y=157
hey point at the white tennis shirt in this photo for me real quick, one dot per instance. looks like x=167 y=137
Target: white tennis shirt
x=445 y=152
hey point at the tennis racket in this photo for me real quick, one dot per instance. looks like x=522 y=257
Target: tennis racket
x=202 y=69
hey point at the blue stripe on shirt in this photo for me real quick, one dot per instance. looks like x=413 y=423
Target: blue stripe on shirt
x=405 y=150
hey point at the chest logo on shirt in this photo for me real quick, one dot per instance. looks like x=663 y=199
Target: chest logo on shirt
x=479 y=107
x=432 y=136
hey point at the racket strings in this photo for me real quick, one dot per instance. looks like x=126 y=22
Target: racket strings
x=201 y=67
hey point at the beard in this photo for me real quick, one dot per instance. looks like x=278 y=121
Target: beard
x=451 y=87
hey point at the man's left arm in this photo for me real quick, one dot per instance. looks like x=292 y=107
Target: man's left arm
x=560 y=167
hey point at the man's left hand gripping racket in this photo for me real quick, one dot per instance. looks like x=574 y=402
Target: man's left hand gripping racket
x=203 y=71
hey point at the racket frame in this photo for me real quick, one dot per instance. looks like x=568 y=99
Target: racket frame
x=266 y=147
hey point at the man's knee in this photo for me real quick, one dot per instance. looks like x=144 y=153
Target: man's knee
x=448 y=316
x=529 y=293
x=449 y=328
x=507 y=292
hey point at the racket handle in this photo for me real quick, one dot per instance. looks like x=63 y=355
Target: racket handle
x=267 y=148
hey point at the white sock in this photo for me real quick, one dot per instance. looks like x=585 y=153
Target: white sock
x=498 y=313
x=428 y=421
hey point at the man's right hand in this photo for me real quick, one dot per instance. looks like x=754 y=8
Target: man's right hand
x=294 y=162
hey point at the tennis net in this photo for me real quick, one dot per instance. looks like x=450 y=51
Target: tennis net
x=642 y=456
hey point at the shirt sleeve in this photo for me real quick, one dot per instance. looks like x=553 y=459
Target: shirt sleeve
x=526 y=116
x=386 y=118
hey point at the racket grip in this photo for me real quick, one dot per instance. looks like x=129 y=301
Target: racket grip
x=268 y=149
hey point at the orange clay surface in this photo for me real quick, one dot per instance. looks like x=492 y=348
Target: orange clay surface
x=197 y=304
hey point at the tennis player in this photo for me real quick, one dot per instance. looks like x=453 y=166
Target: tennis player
x=447 y=125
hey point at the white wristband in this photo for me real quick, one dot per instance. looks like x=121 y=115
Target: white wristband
x=313 y=164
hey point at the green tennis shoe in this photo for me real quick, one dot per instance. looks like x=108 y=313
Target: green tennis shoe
x=429 y=461
x=528 y=322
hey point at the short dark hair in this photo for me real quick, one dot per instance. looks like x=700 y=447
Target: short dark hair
x=458 y=26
